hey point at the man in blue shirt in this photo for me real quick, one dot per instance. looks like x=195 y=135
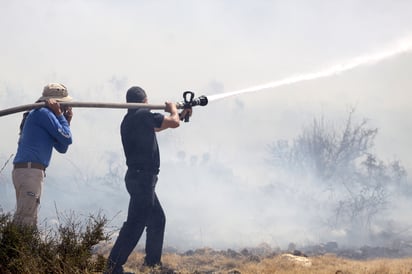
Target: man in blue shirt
x=41 y=130
x=138 y=132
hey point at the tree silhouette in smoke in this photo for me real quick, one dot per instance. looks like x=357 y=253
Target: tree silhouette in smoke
x=359 y=185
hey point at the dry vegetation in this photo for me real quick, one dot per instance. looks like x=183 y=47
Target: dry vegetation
x=230 y=262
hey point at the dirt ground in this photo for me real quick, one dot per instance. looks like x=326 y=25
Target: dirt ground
x=208 y=261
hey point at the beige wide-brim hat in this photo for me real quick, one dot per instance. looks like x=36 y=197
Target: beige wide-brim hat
x=55 y=91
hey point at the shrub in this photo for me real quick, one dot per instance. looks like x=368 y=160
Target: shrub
x=67 y=249
x=342 y=164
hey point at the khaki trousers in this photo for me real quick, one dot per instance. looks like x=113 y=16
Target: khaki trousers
x=28 y=183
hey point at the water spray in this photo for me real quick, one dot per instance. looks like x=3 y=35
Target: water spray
x=188 y=102
x=402 y=47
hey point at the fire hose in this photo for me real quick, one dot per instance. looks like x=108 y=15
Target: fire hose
x=188 y=102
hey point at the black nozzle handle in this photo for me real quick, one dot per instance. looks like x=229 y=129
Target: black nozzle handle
x=188 y=98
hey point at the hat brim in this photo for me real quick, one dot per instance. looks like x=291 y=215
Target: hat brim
x=58 y=99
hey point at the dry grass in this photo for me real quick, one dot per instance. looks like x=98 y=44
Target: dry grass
x=214 y=262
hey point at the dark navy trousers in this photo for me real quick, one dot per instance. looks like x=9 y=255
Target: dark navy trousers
x=144 y=211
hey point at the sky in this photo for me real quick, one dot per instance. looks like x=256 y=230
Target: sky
x=213 y=168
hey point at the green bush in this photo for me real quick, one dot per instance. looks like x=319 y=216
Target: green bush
x=67 y=248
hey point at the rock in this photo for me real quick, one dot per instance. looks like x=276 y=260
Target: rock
x=303 y=261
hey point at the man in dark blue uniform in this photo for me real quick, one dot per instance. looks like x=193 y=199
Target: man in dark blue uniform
x=138 y=131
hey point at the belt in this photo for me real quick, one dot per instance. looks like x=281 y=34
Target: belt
x=30 y=165
x=145 y=170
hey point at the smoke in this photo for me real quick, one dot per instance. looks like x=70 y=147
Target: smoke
x=215 y=185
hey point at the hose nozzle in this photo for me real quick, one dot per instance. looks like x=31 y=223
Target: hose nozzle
x=190 y=101
x=199 y=101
